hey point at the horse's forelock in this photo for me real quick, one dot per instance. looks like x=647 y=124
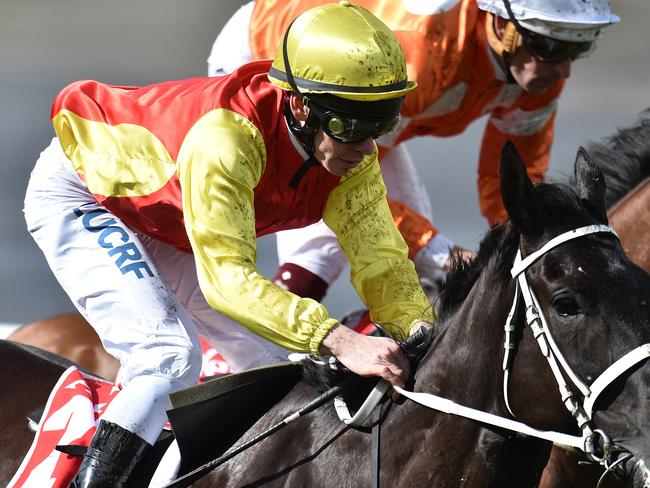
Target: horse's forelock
x=560 y=202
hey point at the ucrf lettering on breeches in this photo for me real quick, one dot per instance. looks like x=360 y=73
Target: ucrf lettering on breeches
x=117 y=241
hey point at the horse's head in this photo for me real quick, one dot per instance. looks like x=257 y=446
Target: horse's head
x=594 y=307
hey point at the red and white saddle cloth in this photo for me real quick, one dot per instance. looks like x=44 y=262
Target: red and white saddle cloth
x=71 y=414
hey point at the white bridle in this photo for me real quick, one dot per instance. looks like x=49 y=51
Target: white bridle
x=580 y=408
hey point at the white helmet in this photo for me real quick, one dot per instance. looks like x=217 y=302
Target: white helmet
x=566 y=20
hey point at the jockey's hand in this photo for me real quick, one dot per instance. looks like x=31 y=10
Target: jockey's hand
x=367 y=355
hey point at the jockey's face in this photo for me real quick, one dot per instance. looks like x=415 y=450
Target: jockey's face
x=336 y=157
x=536 y=76
x=340 y=157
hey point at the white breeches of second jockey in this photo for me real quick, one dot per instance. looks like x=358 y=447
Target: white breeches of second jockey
x=315 y=247
x=140 y=295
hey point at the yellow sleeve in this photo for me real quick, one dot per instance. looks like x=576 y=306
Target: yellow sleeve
x=220 y=163
x=381 y=273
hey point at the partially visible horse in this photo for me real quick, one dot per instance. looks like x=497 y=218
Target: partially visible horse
x=72 y=337
x=624 y=159
x=27 y=376
x=631 y=219
x=595 y=302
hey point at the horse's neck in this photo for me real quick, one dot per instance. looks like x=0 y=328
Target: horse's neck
x=640 y=193
x=465 y=362
x=465 y=366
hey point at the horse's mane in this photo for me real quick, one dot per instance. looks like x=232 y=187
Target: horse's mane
x=498 y=247
x=624 y=158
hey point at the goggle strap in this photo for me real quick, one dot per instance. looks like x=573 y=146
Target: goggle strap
x=513 y=19
x=509 y=38
x=498 y=44
x=287 y=67
x=311 y=160
x=519 y=28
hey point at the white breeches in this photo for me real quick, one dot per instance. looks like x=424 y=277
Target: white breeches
x=140 y=295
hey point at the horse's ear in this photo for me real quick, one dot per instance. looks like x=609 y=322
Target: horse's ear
x=590 y=184
x=518 y=192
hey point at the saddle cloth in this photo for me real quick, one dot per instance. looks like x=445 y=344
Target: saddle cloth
x=71 y=414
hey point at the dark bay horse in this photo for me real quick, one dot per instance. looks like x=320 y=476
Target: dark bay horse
x=624 y=159
x=27 y=376
x=595 y=302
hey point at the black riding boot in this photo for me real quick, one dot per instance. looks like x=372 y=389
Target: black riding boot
x=110 y=459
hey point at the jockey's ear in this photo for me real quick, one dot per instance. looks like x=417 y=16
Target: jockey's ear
x=298 y=107
x=590 y=184
x=518 y=192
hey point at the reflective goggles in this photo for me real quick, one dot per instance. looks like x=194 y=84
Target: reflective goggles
x=349 y=128
x=550 y=50
x=547 y=49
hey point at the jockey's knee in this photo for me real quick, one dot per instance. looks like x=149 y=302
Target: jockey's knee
x=179 y=363
x=187 y=363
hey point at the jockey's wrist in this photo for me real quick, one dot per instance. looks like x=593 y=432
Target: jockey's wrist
x=331 y=343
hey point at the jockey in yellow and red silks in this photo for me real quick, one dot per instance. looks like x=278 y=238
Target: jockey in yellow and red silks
x=148 y=202
x=469 y=60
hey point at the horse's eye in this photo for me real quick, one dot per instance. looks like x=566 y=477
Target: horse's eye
x=566 y=305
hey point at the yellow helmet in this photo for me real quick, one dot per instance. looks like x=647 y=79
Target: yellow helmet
x=341 y=49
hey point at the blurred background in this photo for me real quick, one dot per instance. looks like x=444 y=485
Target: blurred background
x=46 y=44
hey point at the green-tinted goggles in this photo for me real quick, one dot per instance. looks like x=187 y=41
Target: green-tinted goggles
x=349 y=128
x=550 y=50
